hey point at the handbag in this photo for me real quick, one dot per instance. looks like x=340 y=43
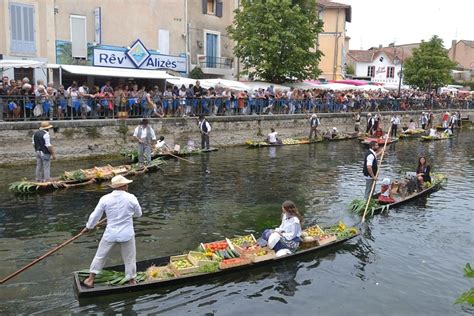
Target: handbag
x=38 y=110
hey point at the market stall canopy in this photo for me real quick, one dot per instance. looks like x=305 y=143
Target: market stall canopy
x=231 y=84
x=255 y=85
x=18 y=63
x=370 y=88
x=335 y=87
x=351 y=82
x=116 y=72
x=179 y=81
x=302 y=85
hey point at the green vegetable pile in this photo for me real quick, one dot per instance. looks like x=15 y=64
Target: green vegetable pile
x=76 y=175
x=468 y=296
x=109 y=277
x=357 y=206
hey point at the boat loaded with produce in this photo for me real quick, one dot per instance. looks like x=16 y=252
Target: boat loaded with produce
x=412 y=133
x=132 y=155
x=437 y=137
x=212 y=259
x=83 y=177
x=402 y=191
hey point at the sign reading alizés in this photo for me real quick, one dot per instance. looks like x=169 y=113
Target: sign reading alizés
x=137 y=57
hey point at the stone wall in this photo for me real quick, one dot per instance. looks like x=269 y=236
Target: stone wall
x=89 y=138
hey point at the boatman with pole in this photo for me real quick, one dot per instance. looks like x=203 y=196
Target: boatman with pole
x=145 y=135
x=313 y=125
x=370 y=167
x=44 y=152
x=120 y=207
x=205 y=129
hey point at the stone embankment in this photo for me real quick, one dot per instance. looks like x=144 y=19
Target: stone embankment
x=90 y=138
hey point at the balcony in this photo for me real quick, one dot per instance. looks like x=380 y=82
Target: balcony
x=210 y=65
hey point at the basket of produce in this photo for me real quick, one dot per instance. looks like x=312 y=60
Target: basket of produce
x=235 y=262
x=244 y=245
x=311 y=234
x=154 y=273
x=181 y=265
x=262 y=255
x=200 y=259
x=326 y=239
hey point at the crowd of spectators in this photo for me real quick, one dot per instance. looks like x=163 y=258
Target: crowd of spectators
x=22 y=100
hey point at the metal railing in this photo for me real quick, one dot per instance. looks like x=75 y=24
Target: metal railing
x=214 y=62
x=28 y=108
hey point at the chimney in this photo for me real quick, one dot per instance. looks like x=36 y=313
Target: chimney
x=380 y=46
x=453 y=49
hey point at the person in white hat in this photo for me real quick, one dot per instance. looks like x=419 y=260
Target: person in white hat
x=334 y=132
x=385 y=196
x=370 y=124
x=313 y=125
x=120 y=208
x=44 y=152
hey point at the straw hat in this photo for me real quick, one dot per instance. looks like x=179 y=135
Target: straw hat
x=45 y=125
x=369 y=114
x=314 y=116
x=119 y=181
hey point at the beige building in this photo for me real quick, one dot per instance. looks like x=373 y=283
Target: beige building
x=174 y=35
x=333 y=41
x=462 y=52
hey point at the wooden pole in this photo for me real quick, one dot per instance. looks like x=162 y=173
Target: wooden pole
x=172 y=155
x=48 y=253
x=376 y=175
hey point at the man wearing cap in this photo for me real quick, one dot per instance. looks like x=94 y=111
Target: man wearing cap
x=370 y=123
x=44 y=151
x=370 y=167
x=205 y=129
x=145 y=135
x=313 y=125
x=120 y=208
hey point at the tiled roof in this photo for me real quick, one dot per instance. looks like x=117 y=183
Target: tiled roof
x=402 y=52
x=330 y=4
x=468 y=43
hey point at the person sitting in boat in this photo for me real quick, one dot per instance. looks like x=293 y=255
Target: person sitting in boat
x=433 y=132
x=411 y=125
x=161 y=146
x=287 y=235
x=378 y=133
x=385 y=196
x=272 y=137
x=423 y=172
x=334 y=132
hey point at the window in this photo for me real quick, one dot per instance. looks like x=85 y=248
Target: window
x=22 y=28
x=212 y=7
x=78 y=36
x=164 y=41
x=390 y=72
x=371 y=71
x=212 y=48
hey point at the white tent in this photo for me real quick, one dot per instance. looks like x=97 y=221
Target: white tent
x=231 y=84
x=116 y=72
x=335 y=86
x=18 y=63
x=302 y=85
x=255 y=85
x=368 y=87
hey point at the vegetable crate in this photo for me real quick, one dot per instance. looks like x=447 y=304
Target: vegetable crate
x=323 y=240
x=230 y=263
x=177 y=270
x=237 y=244
x=199 y=259
x=270 y=254
x=215 y=245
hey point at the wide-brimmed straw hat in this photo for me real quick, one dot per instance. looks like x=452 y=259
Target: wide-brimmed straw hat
x=119 y=181
x=45 y=125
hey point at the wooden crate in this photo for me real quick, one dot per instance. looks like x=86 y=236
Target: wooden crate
x=204 y=246
x=240 y=250
x=327 y=240
x=179 y=272
x=224 y=264
x=199 y=262
x=270 y=255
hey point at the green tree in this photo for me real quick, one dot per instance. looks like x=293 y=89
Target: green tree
x=275 y=39
x=429 y=67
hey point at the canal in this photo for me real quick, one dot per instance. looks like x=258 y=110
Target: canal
x=408 y=261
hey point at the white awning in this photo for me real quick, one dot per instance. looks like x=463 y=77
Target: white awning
x=116 y=72
x=264 y=85
x=230 y=84
x=18 y=63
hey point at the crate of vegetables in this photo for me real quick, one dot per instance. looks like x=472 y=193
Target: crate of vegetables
x=200 y=259
x=244 y=245
x=181 y=265
x=311 y=234
x=326 y=239
x=235 y=262
x=214 y=246
x=262 y=255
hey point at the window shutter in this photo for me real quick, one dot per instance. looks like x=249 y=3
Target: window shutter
x=219 y=8
x=204 y=6
x=78 y=36
x=22 y=28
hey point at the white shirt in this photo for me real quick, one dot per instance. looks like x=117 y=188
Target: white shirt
x=432 y=132
x=370 y=161
x=120 y=207
x=144 y=133
x=47 y=139
x=272 y=137
x=290 y=227
x=395 y=120
x=207 y=125
x=412 y=125
x=160 y=144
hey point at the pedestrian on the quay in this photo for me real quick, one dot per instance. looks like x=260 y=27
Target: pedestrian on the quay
x=357 y=121
x=370 y=167
x=145 y=135
x=313 y=125
x=44 y=152
x=205 y=129
x=120 y=208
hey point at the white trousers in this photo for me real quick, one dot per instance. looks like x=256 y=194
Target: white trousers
x=127 y=250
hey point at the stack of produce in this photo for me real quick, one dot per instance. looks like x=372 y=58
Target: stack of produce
x=110 y=277
x=290 y=141
x=244 y=245
x=220 y=249
x=341 y=231
x=182 y=265
x=158 y=273
x=312 y=233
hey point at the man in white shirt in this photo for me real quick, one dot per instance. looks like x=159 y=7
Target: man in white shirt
x=44 y=151
x=395 y=120
x=120 y=208
x=370 y=168
x=161 y=146
x=272 y=137
x=205 y=129
x=145 y=135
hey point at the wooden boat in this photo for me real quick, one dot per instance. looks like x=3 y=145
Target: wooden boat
x=83 y=177
x=84 y=292
x=339 y=137
x=441 y=128
x=437 y=137
x=380 y=141
x=133 y=154
x=282 y=142
x=411 y=133
x=438 y=180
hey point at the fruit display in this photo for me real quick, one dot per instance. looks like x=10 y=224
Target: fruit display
x=244 y=241
x=230 y=263
x=290 y=141
x=158 y=273
x=312 y=232
x=227 y=253
x=182 y=265
x=214 y=246
x=341 y=231
x=201 y=259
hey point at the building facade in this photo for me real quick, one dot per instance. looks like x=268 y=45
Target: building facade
x=333 y=41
